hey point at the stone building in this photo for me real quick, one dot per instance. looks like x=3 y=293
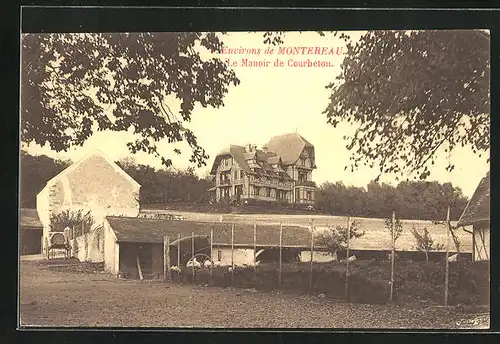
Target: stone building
x=94 y=184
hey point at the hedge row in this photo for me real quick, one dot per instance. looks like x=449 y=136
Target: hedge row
x=368 y=281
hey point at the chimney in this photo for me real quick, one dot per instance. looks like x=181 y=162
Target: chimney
x=250 y=148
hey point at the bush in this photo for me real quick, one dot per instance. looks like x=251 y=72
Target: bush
x=71 y=219
x=368 y=280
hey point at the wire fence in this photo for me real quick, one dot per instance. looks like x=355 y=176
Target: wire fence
x=266 y=256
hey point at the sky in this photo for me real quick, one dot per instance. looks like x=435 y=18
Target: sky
x=271 y=101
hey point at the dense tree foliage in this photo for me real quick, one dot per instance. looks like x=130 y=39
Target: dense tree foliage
x=409 y=199
x=35 y=172
x=164 y=186
x=76 y=84
x=158 y=186
x=410 y=93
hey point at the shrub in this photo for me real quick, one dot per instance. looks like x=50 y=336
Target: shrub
x=424 y=242
x=71 y=219
x=335 y=238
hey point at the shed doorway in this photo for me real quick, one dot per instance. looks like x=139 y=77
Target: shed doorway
x=136 y=259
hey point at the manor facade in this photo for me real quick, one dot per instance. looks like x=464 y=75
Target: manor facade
x=280 y=171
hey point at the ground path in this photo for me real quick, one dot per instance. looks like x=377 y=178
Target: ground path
x=55 y=298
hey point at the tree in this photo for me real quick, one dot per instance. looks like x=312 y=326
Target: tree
x=164 y=186
x=81 y=222
x=410 y=93
x=335 y=238
x=75 y=84
x=424 y=242
x=420 y=200
x=397 y=228
x=452 y=229
x=34 y=173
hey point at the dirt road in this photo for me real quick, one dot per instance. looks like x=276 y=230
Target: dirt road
x=59 y=299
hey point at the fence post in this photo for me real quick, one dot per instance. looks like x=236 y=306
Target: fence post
x=446 y=276
x=178 y=255
x=312 y=250
x=232 y=254
x=254 y=254
x=393 y=228
x=211 y=249
x=166 y=260
x=165 y=267
x=347 y=258
x=281 y=254
x=192 y=254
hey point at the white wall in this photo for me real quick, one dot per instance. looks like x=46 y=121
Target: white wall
x=319 y=257
x=42 y=208
x=111 y=261
x=482 y=243
x=92 y=185
x=241 y=255
x=90 y=246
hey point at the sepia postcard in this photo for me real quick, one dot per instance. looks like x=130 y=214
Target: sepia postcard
x=257 y=179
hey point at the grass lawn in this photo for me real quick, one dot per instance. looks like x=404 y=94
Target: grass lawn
x=376 y=236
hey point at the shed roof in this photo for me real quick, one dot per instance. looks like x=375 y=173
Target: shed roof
x=478 y=208
x=29 y=218
x=141 y=230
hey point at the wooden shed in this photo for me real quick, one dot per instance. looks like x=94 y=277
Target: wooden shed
x=477 y=216
x=30 y=230
x=132 y=241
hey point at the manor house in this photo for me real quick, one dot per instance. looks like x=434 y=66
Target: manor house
x=280 y=171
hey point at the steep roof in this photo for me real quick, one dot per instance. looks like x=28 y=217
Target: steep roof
x=288 y=146
x=99 y=154
x=478 y=208
x=240 y=155
x=143 y=230
x=29 y=218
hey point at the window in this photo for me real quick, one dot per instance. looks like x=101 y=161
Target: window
x=219 y=255
x=235 y=174
x=268 y=192
x=302 y=177
x=241 y=174
x=98 y=242
x=309 y=195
